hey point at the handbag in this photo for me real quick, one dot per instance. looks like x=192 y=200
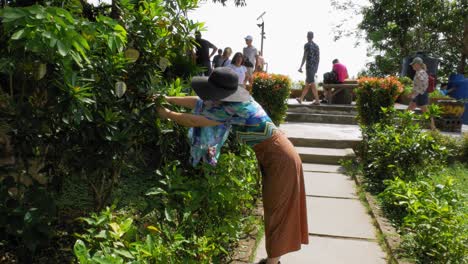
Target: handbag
x=248 y=64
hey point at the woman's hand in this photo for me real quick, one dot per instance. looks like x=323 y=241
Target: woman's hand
x=154 y=97
x=163 y=112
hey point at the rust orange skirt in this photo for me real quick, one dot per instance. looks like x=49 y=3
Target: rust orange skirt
x=284 y=201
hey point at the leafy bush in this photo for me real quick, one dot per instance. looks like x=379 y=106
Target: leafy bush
x=26 y=215
x=464 y=149
x=75 y=92
x=271 y=91
x=407 y=85
x=373 y=94
x=431 y=217
x=400 y=150
x=192 y=216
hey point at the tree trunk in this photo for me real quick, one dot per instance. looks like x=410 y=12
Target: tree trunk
x=115 y=14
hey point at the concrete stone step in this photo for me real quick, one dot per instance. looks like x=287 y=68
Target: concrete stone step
x=323 y=109
x=322 y=135
x=324 y=155
x=324 y=143
x=329 y=250
x=321 y=118
x=346 y=218
x=334 y=185
x=325 y=168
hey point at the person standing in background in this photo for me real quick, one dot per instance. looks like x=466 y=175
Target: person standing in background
x=225 y=58
x=420 y=83
x=203 y=54
x=311 y=57
x=237 y=64
x=218 y=59
x=260 y=62
x=250 y=57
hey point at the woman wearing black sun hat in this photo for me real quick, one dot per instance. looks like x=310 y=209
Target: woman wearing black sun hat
x=223 y=104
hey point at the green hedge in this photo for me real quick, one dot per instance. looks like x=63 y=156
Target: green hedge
x=272 y=91
x=407 y=168
x=431 y=217
x=192 y=216
x=399 y=149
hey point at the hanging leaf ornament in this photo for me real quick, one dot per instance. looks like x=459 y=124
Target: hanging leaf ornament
x=40 y=70
x=163 y=63
x=120 y=88
x=132 y=55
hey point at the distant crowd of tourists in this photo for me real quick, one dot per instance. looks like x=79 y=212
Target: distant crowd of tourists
x=244 y=63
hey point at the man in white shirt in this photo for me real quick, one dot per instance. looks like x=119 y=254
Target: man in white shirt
x=250 y=55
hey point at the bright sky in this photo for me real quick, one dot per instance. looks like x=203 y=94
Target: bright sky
x=286 y=26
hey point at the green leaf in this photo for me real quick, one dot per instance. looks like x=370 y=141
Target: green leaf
x=81 y=252
x=18 y=35
x=156 y=191
x=11 y=14
x=125 y=226
x=124 y=253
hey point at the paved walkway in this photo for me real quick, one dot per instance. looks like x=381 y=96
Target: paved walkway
x=340 y=230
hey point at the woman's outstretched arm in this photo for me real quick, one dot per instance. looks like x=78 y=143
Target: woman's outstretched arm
x=188 y=120
x=184 y=101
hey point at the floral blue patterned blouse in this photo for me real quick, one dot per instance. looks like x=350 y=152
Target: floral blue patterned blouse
x=248 y=119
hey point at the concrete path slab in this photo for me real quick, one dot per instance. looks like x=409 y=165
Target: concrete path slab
x=322 y=131
x=321 y=118
x=329 y=185
x=322 y=168
x=339 y=217
x=325 y=250
x=324 y=155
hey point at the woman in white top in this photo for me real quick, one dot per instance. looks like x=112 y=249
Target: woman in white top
x=237 y=65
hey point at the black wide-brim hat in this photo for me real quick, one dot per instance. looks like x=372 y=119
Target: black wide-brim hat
x=221 y=85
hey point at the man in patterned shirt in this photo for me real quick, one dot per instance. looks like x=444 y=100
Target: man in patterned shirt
x=311 y=57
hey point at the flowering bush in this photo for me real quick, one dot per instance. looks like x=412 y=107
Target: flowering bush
x=271 y=91
x=373 y=94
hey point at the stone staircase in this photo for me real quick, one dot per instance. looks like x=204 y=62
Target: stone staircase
x=328 y=114
x=340 y=230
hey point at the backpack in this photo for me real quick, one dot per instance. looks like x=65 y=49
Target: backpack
x=330 y=77
x=431 y=83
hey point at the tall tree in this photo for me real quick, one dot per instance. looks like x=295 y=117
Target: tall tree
x=398 y=28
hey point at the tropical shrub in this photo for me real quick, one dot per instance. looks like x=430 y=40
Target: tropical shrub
x=193 y=216
x=76 y=86
x=407 y=84
x=400 y=149
x=373 y=94
x=271 y=91
x=431 y=218
x=26 y=216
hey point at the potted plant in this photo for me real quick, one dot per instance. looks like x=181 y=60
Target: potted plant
x=436 y=96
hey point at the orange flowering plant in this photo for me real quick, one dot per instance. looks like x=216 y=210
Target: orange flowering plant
x=271 y=91
x=373 y=94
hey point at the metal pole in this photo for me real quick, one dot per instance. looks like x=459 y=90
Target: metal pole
x=262 y=37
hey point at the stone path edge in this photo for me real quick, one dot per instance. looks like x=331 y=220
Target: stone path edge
x=390 y=236
x=246 y=249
